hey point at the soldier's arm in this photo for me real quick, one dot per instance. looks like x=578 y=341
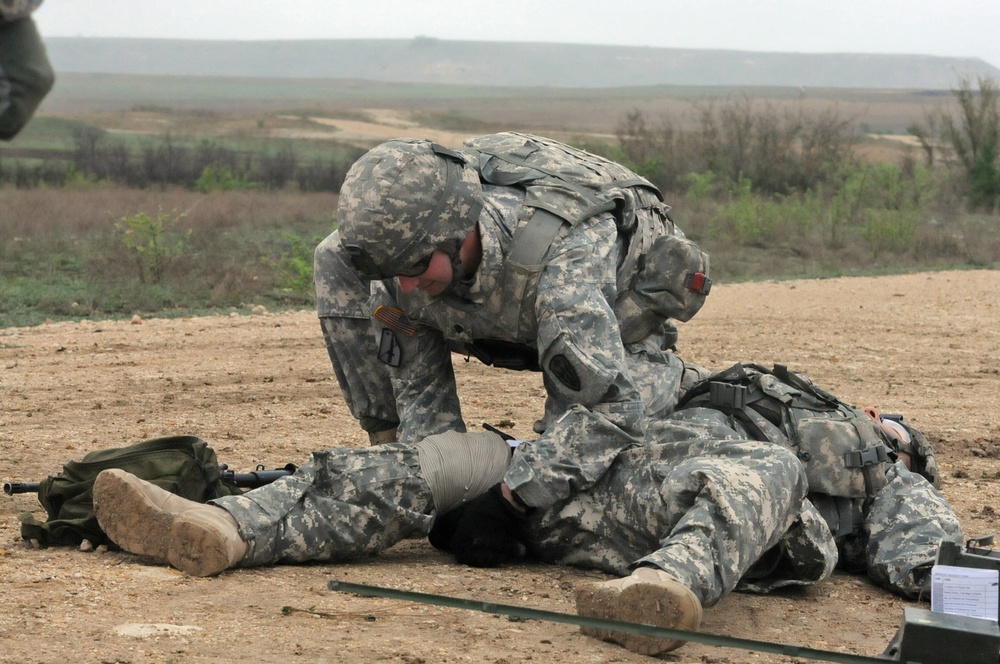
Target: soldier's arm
x=583 y=358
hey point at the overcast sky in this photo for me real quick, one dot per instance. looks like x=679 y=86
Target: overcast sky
x=962 y=28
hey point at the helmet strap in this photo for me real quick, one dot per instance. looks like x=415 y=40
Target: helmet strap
x=460 y=279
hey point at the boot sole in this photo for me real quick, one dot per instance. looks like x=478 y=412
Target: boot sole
x=138 y=525
x=129 y=518
x=643 y=603
x=197 y=550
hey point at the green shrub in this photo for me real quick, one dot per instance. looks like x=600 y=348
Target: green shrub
x=220 y=178
x=153 y=242
x=296 y=264
x=700 y=186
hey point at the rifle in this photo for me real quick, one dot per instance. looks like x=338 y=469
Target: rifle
x=10 y=488
x=256 y=478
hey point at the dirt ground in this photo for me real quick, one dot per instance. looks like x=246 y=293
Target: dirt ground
x=259 y=389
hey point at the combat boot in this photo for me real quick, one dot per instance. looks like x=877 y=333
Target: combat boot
x=144 y=519
x=649 y=595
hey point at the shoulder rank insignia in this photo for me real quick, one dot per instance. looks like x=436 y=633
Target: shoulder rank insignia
x=389 y=350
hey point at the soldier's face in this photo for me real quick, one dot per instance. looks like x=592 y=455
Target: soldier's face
x=434 y=280
x=894 y=430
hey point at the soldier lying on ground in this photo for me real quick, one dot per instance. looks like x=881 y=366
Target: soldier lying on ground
x=670 y=517
x=873 y=477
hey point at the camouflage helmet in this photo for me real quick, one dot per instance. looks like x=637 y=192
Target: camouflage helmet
x=403 y=200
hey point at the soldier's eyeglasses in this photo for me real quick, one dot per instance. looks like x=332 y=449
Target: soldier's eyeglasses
x=417 y=268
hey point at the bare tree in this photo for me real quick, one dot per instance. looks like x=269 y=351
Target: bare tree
x=972 y=141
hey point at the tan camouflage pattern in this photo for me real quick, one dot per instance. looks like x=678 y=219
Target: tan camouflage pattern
x=11 y=10
x=341 y=504
x=401 y=201
x=899 y=531
x=903 y=527
x=682 y=503
x=563 y=312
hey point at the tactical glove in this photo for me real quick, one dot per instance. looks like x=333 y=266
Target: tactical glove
x=444 y=527
x=485 y=532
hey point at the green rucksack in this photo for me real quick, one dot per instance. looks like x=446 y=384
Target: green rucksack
x=183 y=465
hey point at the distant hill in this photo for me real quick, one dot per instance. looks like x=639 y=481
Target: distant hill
x=427 y=60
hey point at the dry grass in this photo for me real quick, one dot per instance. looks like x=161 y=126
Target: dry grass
x=63 y=253
x=35 y=213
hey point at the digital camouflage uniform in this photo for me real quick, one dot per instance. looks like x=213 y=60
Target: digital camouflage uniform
x=681 y=503
x=896 y=544
x=599 y=390
x=892 y=534
x=904 y=524
x=341 y=504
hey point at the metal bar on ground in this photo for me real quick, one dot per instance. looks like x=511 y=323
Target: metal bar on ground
x=618 y=626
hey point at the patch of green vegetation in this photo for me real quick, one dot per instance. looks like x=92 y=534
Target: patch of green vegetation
x=786 y=198
x=170 y=253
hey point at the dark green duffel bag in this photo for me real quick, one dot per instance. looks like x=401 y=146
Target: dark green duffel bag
x=184 y=465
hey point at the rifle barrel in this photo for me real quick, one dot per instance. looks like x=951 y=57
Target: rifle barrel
x=252 y=480
x=10 y=488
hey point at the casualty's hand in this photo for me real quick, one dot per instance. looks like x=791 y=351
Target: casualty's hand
x=509 y=496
